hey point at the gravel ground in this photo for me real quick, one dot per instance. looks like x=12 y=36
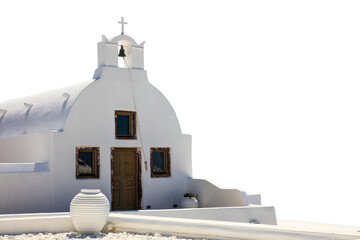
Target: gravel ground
x=73 y=235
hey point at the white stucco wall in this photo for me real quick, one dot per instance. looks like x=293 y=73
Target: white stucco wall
x=210 y=195
x=25 y=178
x=25 y=192
x=91 y=123
x=39 y=135
x=38 y=166
x=28 y=148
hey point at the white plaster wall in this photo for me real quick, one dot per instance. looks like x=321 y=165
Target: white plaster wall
x=255 y=199
x=91 y=123
x=210 y=195
x=29 y=148
x=106 y=56
x=162 y=193
x=23 y=191
x=137 y=58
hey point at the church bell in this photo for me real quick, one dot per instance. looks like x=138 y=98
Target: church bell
x=122 y=51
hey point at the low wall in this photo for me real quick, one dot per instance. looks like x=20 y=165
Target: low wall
x=254 y=213
x=24 y=167
x=191 y=228
x=210 y=195
x=255 y=199
x=38 y=222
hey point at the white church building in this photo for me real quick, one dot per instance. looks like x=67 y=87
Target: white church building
x=116 y=133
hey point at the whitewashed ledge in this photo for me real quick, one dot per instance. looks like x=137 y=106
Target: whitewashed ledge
x=227 y=230
x=23 y=167
x=35 y=222
x=118 y=222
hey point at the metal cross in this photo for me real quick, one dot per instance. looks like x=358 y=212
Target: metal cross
x=122 y=25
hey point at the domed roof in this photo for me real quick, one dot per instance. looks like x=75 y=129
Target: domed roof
x=39 y=113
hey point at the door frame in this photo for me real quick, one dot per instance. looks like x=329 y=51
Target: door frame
x=137 y=151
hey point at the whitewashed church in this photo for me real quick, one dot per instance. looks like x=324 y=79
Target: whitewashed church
x=116 y=133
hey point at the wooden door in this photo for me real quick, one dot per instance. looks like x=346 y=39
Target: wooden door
x=124 y=179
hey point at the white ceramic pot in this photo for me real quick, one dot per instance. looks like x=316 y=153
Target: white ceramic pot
x=89 y=211
x=189 y=203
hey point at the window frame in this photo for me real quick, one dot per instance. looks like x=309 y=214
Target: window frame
x=132 y=124
x=167 y=162
x=95 y=159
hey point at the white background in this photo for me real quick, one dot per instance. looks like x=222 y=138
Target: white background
x=269 y=90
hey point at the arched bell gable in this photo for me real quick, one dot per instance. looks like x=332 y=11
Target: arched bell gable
x=108 y=52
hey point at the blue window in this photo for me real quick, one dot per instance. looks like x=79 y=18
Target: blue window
x=87 y=162
x=160 y=162
x=125 y=125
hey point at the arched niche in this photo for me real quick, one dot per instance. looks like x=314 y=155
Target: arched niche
x=108 y=51
x=125 y=62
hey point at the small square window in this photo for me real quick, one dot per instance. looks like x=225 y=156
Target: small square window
x=160 y=162
x=125 y=125
x=87 y=162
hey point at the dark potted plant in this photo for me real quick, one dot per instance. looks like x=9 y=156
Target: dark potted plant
x=190 y=195
x=190 y=200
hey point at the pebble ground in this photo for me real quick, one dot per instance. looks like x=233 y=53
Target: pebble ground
x=73 y=235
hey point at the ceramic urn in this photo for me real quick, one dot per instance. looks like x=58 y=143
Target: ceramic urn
x=189 y=202
x=89 y=211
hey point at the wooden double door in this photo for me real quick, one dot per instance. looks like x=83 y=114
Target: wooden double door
x=125 y=179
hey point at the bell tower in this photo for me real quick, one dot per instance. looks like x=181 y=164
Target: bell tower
x=108 y=51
